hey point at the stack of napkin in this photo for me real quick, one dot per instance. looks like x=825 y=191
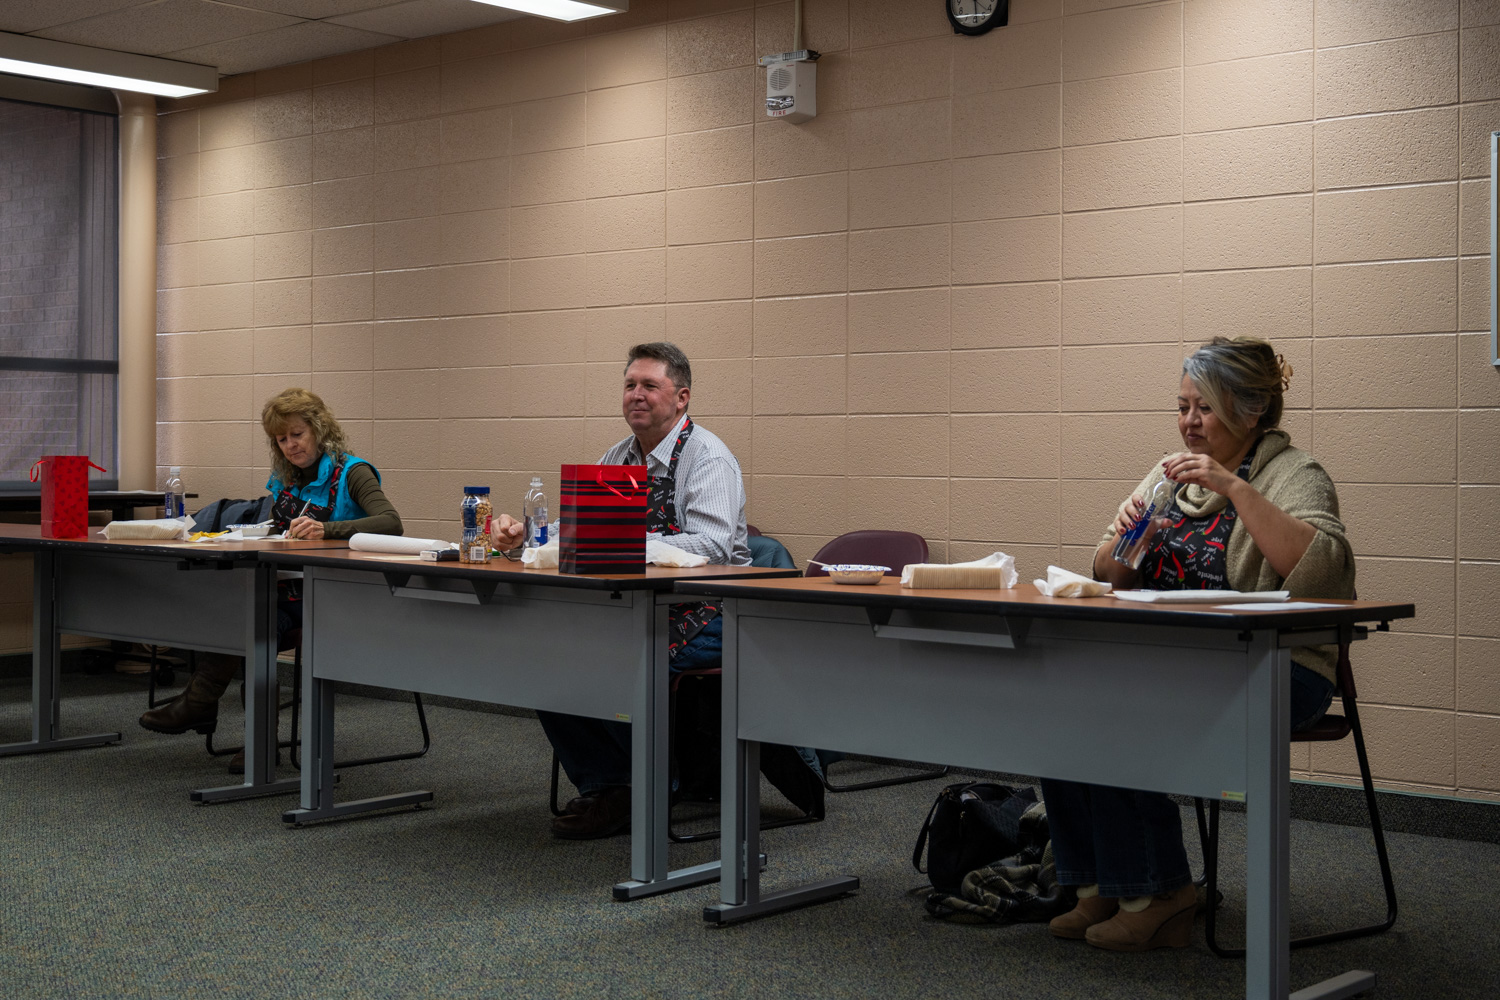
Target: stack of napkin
x=1065 y=583
x=996 y=571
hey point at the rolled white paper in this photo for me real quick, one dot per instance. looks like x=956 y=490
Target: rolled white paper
x=396 y=545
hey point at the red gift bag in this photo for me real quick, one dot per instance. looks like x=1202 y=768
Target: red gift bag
x=65 y=494
x=603 y=511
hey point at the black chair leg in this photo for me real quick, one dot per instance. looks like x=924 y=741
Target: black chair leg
x=1211 y=885
x=860 y=786
x=296 y=741
x=151 y=685
x=1351 y=712
x=1210 y=858
x=552 y=799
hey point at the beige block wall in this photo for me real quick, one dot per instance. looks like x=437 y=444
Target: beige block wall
x=955 y=302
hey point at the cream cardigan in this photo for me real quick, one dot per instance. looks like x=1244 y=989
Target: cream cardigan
x=1295 y=482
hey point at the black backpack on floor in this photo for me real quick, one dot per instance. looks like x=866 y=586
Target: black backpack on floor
x=972 y=824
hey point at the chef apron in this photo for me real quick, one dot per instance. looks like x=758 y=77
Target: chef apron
x=684 y=621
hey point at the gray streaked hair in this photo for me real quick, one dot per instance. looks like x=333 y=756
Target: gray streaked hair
x=678 y=368
x=1243 y=379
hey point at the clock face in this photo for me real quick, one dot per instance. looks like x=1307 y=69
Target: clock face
x=975 y=17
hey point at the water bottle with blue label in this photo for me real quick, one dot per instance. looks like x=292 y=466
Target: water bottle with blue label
x=1133 y=544
x=534 y=514
x=173 y=504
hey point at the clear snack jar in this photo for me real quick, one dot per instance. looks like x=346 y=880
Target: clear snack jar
x=475 y=513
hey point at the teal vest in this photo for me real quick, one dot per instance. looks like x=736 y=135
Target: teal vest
x=330 y=479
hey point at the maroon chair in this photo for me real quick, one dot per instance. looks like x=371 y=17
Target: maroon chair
x=872 y=548
x=895 y=549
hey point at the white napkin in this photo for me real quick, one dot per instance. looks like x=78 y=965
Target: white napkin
x=161 y=527
x=659 y=553
x=396 y=545
x=1065 y=583
x=543 y=557
x=1006 y=563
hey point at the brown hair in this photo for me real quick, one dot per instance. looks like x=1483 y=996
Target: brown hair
x=301 y=404
x=1243 y=379
x=678 y=369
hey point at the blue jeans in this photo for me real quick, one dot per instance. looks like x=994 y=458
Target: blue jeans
x=1129 y=842
x=595 y=753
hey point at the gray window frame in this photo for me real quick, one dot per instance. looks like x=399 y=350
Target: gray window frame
x=96 y=101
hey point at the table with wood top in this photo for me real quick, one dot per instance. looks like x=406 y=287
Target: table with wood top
x=589 y=645
x=1191 y=699
x=213 y=596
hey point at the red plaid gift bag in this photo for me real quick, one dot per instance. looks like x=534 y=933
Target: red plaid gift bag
x=65 y=494
x=603 y=510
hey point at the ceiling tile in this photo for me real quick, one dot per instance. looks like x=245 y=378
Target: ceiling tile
x=282 y=46
x=420 y=18
x=167 y=25
x=29 y=15
x=314 y=10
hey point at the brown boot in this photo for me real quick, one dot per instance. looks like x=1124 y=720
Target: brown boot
x=604 y=814
x=1166 y=923
x=197 y=707
x=1076 y=922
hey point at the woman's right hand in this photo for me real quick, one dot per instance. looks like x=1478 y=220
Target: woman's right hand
x=506 y=532
x=1129 y=511
x=1106 y=568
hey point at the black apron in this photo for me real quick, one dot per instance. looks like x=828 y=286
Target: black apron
x=684 y=621
x=286 y=508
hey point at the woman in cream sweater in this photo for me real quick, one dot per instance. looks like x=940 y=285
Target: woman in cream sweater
x=1250 y=513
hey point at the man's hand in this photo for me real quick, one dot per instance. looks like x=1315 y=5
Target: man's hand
x=506 y=532
x=305 y=527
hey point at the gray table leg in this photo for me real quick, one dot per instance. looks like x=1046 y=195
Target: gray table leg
x=261 y=697
x=1339 y=987
x=650 y=770
x=1267 y=847
x=1267 y=955
x=46 y=669
x=739 y=814
x=318 y=781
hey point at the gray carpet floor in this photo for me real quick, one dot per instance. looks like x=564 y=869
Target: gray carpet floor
x=114 y=885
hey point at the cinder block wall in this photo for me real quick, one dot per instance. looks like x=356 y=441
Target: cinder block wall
x=956 y=302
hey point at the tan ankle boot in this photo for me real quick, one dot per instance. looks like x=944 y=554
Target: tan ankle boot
x=197 y=707
x=1166 y=923
x=1093 y=910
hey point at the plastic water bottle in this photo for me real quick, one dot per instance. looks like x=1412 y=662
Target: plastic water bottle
x=1132 y=545
x=172 y=500
x=534 y=513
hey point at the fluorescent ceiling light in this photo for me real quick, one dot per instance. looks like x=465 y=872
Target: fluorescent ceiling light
x=24 y=55
x=563 y=10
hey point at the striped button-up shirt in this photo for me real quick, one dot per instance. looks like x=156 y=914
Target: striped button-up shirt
x=710 y=497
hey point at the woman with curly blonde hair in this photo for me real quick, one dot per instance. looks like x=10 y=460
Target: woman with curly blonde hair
x=318 y=490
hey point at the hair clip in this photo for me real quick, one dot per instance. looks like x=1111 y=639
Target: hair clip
x=1287 y=371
